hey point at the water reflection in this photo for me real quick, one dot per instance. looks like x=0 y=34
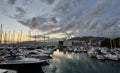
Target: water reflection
x=64 y=62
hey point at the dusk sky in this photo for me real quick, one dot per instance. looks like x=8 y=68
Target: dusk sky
x=58 y=17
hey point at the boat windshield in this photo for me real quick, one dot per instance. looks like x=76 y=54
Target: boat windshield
x=19 y=57
x=14 y=57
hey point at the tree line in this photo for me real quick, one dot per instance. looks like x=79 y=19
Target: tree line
x=111 y=43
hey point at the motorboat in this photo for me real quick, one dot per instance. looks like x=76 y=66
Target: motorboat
x=100 y=57
x=70 y=50
x=112 y=56
x=17 y=61
x=103 y=51
x=2 y=58
x=38 y=55
x=3 y=71
x=92 y=52
x=45 y=51
x=76 y=50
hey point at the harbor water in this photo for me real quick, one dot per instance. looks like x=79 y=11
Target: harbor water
x=64 y=62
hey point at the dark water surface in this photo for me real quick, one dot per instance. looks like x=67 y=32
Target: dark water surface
x=64 y=62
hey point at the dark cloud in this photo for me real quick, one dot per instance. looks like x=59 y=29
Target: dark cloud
x=48 y=1
x=53 y=19
x=43 y=24
x=62 y=8
x=21 y=12
x=39 y=36
x=11 y=2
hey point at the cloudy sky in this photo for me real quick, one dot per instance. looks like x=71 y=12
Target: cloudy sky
x=58 y=17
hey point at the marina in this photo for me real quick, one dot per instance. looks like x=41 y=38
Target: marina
x=59 y=36
x=63 y=61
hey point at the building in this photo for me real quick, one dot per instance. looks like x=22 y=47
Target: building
x=74 y=43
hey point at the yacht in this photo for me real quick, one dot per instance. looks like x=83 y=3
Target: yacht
x=112 y=56
x=16 y=61
x=99 y=55
x=92 y=52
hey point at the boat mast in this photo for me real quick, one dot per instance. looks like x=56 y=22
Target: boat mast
x=44 y=40
x=114 y=41
x=29 y=37
x=35 y=39
x=110 y=41
x=21 y=37
x=1 y=32
x=49 y=39
x=13 y=38
x=5 y=38
x=9 y=37
x=38 y=37
x=18 y=39
x=44 y=37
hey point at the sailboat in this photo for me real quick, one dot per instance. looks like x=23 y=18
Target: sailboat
x=112 y=56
